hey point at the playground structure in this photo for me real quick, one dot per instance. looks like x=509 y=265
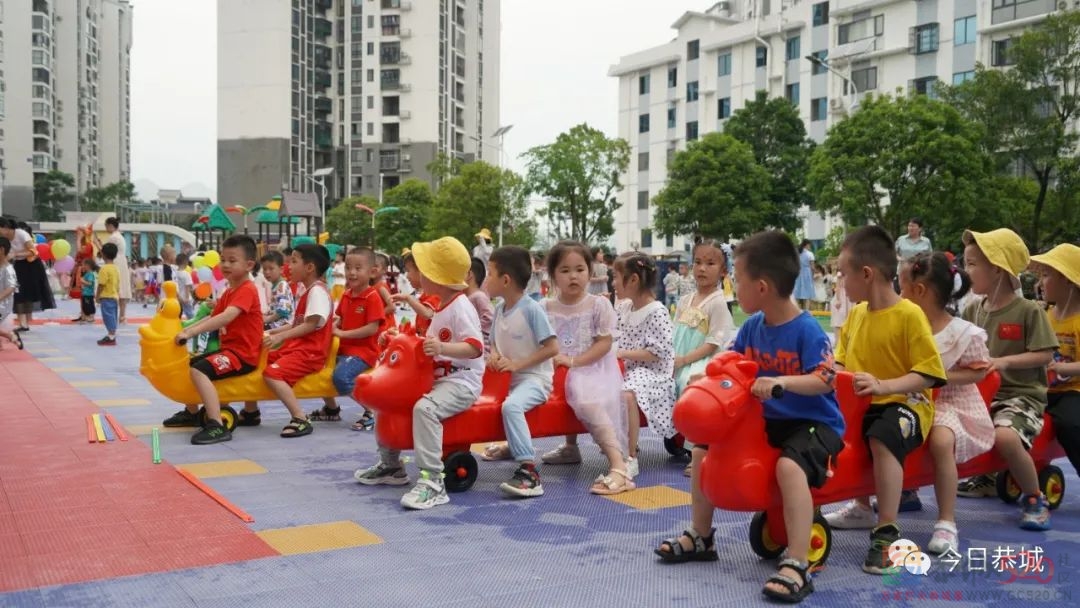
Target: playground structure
x=143 y=239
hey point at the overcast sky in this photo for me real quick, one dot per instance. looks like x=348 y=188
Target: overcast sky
x=555 y=58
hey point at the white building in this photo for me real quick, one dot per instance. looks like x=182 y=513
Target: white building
x=720 y=58
x=65 y=84
x=374 y=89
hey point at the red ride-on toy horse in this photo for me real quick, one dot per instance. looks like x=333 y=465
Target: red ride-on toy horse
x=740 y=475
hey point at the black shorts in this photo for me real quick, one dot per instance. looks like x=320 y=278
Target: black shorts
x=811 y=444
x=895 y=426
x=88 y=308
x=221 y=364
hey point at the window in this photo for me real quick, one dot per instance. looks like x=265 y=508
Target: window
x=791 y=92
x=643 y=161
x=925 y=86
x=723 y=63
x=693 y=49
x=371 y=128
x=671 y=118
x=1000 y=53
x=357 y=75
x=761 y=56
x=925 y=38
x=821 y=13
x=371 y=102
x=692 y=91
x=643 y=123
x=643 y=199
x=391 y=106
x=371 y=21
x=819 y=108
x=390 y=25
x=669 y=156
x=371 y=75
x=962 y=77
x=646 y=238
x=691 y=130
x=669 y=241
x=357 y=24
x=643 y=84
x=792 y=48
x=723 y=108
x=964 y=31
x=818 y=67
x=371 y=48
x=672 y=77
x=861 y=29
x=864 y=79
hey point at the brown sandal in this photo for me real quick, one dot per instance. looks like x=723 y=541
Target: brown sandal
x=605 y=485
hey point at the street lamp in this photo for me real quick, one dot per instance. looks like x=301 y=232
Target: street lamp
x=319 y=179
x=848 y=82
x=499 y=133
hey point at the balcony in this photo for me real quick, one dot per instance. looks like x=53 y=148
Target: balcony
x=389 y=160
x=322 y=79
x=323 y=28
x=323 y=105
x=1021 y=9
x=404 y=5
x=324 y=5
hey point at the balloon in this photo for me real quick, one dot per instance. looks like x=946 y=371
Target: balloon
x=212 y=258
x=195 y=277
x=205 y=274
x=60 y=249
x=67 y=264
x=219 y=285
x=44 y=252
x=39 y=238
x=203 y=291
x=199 y=261
x=218 y=275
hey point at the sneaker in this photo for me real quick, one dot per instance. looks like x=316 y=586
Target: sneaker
x=107 y=341
x=853 y=516
x=382 y=474
x=1036 y=514
x=426 y=493
x=524 y=483
x=213 y=432
x=566 y=453
x=632 y=468
x=877 y=556
x=944 y=538
x=909 y=502
x=182 y=418
x=980 y=486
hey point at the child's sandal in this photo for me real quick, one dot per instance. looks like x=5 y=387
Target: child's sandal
x=672 y=551
x=496 y=451
x=297 y=427
x=365 y=423
x=606 y=485
x=326 y=414
x=795 y=591
x=246 y=418
x=18 y=341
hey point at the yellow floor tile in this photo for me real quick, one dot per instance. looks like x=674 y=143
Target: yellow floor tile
x=318 y=537
x=72 y=370
x=94 y=383
x=652 y=497
x=117 y=402
x=55 y=359
x=148 y=429
x=223 y=468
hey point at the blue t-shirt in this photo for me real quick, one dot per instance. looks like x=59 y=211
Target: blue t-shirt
x=795 y=348
x=89 y=281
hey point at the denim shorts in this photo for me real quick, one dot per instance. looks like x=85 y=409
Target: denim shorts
x=346 y=369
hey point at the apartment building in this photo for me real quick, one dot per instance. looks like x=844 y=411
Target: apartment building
x=65 y=82
x=672 y=94
x=373 y=89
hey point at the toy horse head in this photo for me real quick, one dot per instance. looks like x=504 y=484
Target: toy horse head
x=403 y=375
x=706 y=410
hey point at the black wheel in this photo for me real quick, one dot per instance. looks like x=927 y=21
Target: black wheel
x=228 y=417
x=760 y=541
x=820 y=541
x=1007 y=490
x=460 y=469
x=1052 y=483
x=675 y=446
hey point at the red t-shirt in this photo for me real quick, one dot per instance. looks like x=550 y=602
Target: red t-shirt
x=316 y=343
x=422 y=322
x=244 y=335
x=356 y=311
x=390 y=319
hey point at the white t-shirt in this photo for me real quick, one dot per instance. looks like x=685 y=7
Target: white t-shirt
x=457 y=321
x=518 y=333
x=318 y=303
x=184 y=284
x=338 y=274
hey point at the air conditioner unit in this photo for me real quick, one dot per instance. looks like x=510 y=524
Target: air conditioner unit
x=406 y=157
x=837 y=104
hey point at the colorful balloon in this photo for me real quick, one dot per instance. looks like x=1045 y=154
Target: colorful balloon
x=205 y=274
x=218 y=275
x=199 y=261
x=67 y=264
x=60 y=249
x=212 y=258
x=44 y=252
x=39 y=238
x=203 y=291
x=195 y=277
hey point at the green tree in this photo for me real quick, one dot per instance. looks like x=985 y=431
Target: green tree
x=715 y=189
x=444 y=166
x=52 y=191
x=396 y=230
x=476 y=198
x=348 y=225
x=901 y=157
x=777 y=136
x=107 y=197
x=579 y=176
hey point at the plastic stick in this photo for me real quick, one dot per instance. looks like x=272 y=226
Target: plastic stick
x=156 y=444
x=221 y=500
x=98 y=430
x=121 y=434
x=91 y=434
x=109 y=435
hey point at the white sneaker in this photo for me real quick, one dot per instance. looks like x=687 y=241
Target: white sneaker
x=853 y=516
x=567 y=453
x=425 y=494
x=632 y=469
x=944 y=538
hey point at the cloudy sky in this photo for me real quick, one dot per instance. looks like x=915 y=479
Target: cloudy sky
x=555 y=57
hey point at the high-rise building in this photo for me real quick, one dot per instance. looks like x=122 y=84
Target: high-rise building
x=674 y=93
x=65 y=81
x=374 y=89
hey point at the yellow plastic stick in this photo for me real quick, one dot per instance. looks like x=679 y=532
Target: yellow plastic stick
x=97 y=428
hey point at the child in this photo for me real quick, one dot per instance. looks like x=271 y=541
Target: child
x=804 y=423
x=382 y=287
x=1021 y=345
x=646 y=348
x=480 y=300
x=356 y=324
x=841 y=305
x=887 y=344
x=337 y=276
x=671 y=287
x=962 y=427
x=305 y=344
x=185 y=286
x=423 y=304
x=138 y=280
x=585 y=326
x=1061 y=283
x=108 y=293
x=523 y=344
x=238 y=321
x=455 y=344
x=89 y=288
x=154 y=273
x=280 y=300
x=9 y=284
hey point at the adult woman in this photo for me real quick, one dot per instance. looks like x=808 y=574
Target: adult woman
x=483 y=248
x=804 y=284
x=112 y=226
x=598 y=280
x=29 y=271
x=908 y=245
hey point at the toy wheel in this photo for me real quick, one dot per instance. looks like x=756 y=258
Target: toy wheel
x=460 y=469
x=1052 y=482
x=760 y=541
x=1007 y=490
x=820 y=541
x=675 y=446
x=228 y=417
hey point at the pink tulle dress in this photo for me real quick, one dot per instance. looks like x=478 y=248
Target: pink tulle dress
x=961 y=408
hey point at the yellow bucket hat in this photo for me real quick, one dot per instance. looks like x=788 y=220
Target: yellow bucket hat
x=1064 y=258
x=444 y=261
x=485 y=233
x=1002 y=247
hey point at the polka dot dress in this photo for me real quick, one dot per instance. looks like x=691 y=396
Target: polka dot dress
x=652 y=382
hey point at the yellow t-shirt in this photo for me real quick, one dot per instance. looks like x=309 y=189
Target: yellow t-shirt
x=1067 y=331
x=891 y=343
x=109 y=282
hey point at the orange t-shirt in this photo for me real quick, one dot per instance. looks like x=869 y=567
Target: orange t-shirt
x=356 y=311
x=244 y=335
